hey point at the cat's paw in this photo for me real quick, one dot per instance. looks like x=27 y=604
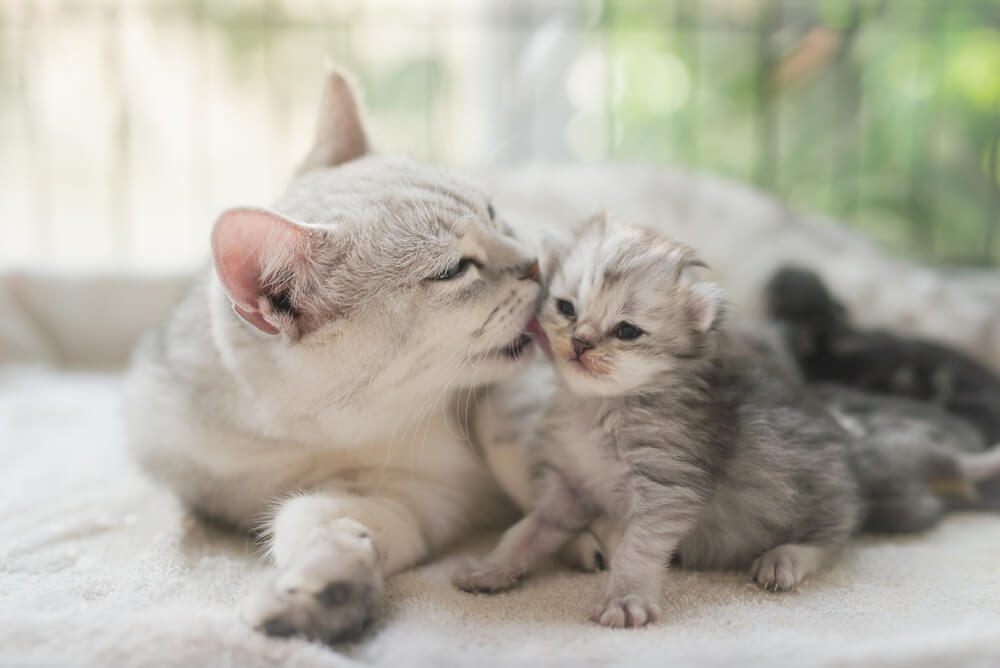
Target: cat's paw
x=585 y=553
x=779 y=569
x=330 y=592
x=630 y=611
x=485 y=577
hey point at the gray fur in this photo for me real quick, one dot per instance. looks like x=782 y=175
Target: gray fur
x=914 y=461
x=695 y=451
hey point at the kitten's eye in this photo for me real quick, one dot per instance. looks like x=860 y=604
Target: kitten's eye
x=491 y=212
x=627 y=332
x=453 y=271
x=566 y=308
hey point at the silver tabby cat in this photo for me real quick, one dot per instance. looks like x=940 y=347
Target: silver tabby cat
x=311 y=383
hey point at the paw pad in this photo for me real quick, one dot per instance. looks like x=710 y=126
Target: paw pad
x=334 y=594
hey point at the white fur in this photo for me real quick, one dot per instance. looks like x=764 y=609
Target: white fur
x=339 y=428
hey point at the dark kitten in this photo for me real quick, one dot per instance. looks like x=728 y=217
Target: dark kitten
x=913 y=461
x=829 y=348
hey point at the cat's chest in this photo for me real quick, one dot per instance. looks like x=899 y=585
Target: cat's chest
x=365 y=447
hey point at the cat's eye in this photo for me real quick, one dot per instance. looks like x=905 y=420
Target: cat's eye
x=566 y=308
x=489 y=210
x=627 y=331
x=453 y=271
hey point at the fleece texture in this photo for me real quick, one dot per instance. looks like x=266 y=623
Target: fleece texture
x=98 y=567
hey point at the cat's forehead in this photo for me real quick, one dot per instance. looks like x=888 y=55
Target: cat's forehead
x=390 y=191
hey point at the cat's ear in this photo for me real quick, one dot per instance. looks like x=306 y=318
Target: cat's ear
x=704 y=306
x=265 y=263
x=340 y=129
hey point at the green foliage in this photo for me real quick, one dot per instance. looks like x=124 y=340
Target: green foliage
x=887 y=122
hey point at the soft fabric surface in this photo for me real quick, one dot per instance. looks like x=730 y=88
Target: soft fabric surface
x=99 y=568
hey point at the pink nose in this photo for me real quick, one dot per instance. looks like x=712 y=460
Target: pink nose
x=580 y=346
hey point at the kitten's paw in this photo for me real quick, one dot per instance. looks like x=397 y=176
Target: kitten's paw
x=330 y=592
x=784 y=567
x=485 y=577
x=585 y=553
x=631 y=611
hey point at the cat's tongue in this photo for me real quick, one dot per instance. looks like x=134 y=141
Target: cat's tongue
x=539 y=335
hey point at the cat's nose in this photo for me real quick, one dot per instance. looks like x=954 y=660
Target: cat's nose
x=532 y=273
x=580 y=346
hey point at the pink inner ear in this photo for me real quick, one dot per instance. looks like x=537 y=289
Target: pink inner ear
x=246 y=241
x=256 y=318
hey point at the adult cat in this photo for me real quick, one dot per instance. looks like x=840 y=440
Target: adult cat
x=314 y=383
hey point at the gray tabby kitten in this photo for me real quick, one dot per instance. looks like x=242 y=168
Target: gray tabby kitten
x=694 y=452
x=914 y=460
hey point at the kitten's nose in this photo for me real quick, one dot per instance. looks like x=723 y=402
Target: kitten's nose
x=532 y=273
x=580 y=346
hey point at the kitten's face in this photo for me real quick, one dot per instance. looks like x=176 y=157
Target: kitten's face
x=622 y=309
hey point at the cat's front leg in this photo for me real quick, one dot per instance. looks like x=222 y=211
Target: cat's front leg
x=332 y=552
x=558 y=515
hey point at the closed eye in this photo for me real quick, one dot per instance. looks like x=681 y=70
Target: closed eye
x=453 y=271
x=566 y=308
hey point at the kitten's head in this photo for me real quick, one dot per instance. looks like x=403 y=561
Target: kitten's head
x=377 y=271
x=809 y=316
x=624 y=307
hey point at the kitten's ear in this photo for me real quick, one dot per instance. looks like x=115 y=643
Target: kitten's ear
x=705 y=306
x=340 y=130
x=598 y=223
x=555 y=248
x=265 y=262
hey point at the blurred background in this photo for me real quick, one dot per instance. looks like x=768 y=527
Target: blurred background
x=126 y=125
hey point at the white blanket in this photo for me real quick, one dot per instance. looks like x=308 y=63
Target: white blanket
x=100 y=568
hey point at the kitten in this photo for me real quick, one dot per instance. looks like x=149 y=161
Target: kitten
x=313 y=384
x=829 y=348
x=914 y=461
x=694 y=452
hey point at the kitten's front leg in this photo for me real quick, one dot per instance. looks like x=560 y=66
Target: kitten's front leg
x=332 y=552
x=593 y=549
x=635 y=579
x=558 y=515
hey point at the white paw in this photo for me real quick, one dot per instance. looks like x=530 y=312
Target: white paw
x=630 y=611
x=585 y=553
x=485 y=576
x=329 y=592
x=777 y=570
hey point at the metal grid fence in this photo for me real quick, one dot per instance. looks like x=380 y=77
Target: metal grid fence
x=125 y=126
